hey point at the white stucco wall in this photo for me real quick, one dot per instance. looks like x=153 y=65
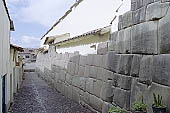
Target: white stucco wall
x=4 y=51
x=90 y=15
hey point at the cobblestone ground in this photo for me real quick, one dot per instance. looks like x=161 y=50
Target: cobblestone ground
x=35 y=96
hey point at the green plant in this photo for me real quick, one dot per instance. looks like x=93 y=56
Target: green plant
x=139 y=106
x=157 y=101
x=113 y=109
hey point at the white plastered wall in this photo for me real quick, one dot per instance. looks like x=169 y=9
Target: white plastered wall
x=4 y=51
x=90 y=15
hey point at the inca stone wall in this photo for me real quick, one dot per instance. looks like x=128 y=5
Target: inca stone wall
x=134 y=63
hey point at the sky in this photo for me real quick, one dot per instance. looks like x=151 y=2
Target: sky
x=32 y=19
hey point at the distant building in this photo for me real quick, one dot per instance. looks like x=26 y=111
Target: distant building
x=28 y=55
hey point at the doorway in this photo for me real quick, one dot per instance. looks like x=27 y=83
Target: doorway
x=3 y=93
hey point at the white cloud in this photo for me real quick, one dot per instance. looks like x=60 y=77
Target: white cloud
x=44 y=12
x=26 y=41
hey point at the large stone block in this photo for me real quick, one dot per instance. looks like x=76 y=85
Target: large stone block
x=139 y=15
x=102 y=48
x=98 y=60
x=87 y=71
x=164 y=34
x=75 y=94
x=145 y=73
x=114 y=62
x=161 y=69
x=55 y=68
x=156 y=10
x=114 y=37
x=145 y=38
x=104 y=75
x=137 y=91
x=82 y=83
x=135 y=65
x=108 y=60
x=83 y=60
x=90 y=58
x=96 y=103
x=76 y=81
x=75 y=59
x=122 y=98
x=127 y=19
x=164 y=91
x=106 y=106
x=62 y=75
x=90 y=85
x=81 y=71
x=122 y=81
x=136 y=4
x=69 y=78
x=72 y=68
x=120 y=22
x=97 y=87
x=93 y=72
x=106 y=93
x=124 y=41
x=125 y=64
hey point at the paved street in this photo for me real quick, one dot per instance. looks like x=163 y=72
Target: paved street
x=35 y=96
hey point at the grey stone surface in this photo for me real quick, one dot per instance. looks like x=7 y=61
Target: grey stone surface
x=139 y=15
x=114 y=36
x=72 y=68
x=83 y=60
x=98 y=60
x=122 y=98
x=82 y=83
x=90 y=58
x=114 y=62
x=102 y=48
x=97 y=87
x=127 y=19
x=124 y=41
x=165 y=0
x=106 y=93
x=100 y=73
x=136 y=4
x=145 y=38
x=55 y=68
x=93 y=72
x=87 y=71
x=76 y=81
x=125 y=64
x=135 y=65
x=106 y=106
x=76 y=59
x=75 y=94
x=90 y=85
x=108 y=60
x=145 y=73
x=120 y=23
x=96 y=103
x=164 y=34
x=122 y=81
x=137 y=91
x=120 y=42
x=69 y=78
x=161 y=69
x=156 y=10
x=62 y=75
x=164 y=91
x=81 y=71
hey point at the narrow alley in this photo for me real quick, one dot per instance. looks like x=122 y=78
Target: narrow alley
x=36 y=96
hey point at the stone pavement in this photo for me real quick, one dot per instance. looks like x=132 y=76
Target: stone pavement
x=35 y=96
